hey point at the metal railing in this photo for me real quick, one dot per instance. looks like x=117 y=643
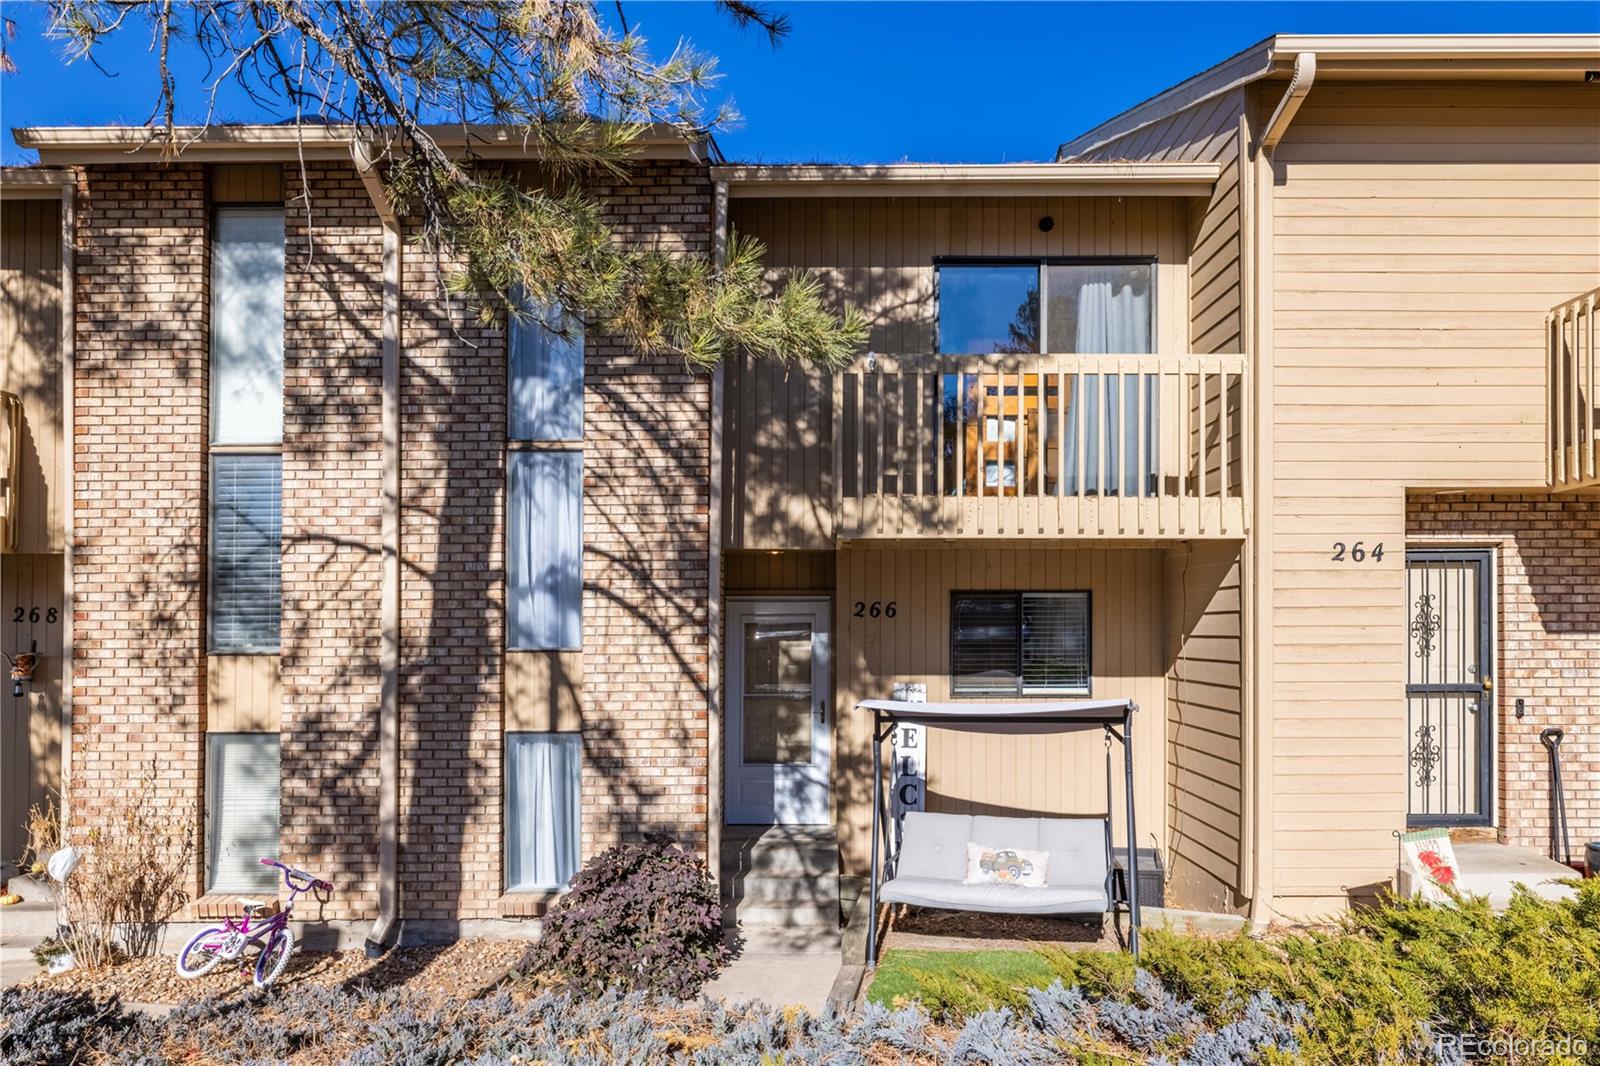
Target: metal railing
x=1042 y=446
x=1574 y=410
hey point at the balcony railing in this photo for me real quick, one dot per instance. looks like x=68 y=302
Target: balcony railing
x=1570 y=331
x=10 y=468
x=1047 y=446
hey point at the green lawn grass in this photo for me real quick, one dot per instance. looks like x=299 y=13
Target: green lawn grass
x=909 y=974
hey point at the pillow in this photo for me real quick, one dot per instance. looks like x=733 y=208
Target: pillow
x=1005 y=866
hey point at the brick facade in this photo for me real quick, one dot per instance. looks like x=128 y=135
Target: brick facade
x=139 y=458
x=141 y=528
x=1548 y=605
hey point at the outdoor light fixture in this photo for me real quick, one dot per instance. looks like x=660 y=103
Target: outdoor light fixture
x=23 y=665
x=1047 y=223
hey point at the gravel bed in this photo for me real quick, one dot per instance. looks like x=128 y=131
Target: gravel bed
x=461 y=970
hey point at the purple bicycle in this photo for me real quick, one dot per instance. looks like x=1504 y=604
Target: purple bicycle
x=264 y=924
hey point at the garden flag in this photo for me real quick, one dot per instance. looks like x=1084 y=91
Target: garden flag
x=1433 y=863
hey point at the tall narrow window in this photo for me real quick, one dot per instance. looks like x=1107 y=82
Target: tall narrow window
x=247 y=287
x=544 y=483
x=242 y=777
x=542 y=825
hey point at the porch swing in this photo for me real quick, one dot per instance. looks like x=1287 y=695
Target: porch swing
x=927 y=863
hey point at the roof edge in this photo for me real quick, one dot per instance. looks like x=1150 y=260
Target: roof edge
x=256 y=142
x=1373 y=55
x=968 y=179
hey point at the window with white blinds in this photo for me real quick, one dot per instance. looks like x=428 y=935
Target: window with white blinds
x=544 y=550
x=242 y=778
x=545 y=375
x=542 y=798
x=1019 y=644
x=247 y=279
x=246 y=552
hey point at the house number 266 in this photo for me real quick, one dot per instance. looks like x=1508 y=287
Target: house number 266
x=875 y=609
x=1357 y=552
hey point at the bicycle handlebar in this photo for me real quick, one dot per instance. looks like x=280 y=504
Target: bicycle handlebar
x=290 y=873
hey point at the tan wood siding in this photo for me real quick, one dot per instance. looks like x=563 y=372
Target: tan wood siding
x=778 y=571
x=30 y=344
x=1207 y=132
x=877 y=253
x=1053 y=775
x=1205 y=716
x=247 y=183
x=1419 y=235
x=30 y=726
x=544 y=691
x=243 y=694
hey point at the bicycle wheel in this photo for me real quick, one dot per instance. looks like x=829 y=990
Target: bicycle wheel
x=274 y=958
x=202 y=953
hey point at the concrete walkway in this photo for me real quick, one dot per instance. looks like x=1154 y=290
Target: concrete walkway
x=780 y=978
x=23 y=927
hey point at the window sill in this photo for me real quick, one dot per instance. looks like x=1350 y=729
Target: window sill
x=530 y=903
x=218 y=905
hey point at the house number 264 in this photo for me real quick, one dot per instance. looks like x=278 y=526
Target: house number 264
x=1357 y=552
x=875 y=609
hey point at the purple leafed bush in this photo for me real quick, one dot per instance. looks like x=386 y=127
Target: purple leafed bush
x=642 y=917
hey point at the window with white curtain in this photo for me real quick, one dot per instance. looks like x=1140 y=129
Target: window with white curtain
x=1086 y=307
x=247 y=279
x=542 y=823
x=545 y=375
x=242 y=777
x=544 y=551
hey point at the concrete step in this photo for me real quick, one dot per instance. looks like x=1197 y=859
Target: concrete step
x=30 y=921
x=805 y=860
x=767 y=939
x=750 y=888
x=809 y=914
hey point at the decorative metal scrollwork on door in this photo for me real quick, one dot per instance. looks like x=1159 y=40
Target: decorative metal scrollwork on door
x=1425 y=625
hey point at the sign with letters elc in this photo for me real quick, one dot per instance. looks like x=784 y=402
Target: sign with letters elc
x=910 y=774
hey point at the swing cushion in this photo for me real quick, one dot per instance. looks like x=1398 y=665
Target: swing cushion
x=933 y=863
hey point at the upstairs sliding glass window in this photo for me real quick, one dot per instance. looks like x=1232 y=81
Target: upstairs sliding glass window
x=1013 y=307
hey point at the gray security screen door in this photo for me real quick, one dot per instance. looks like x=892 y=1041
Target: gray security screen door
x=1449 y=687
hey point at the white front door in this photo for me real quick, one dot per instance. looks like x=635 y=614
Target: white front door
x=779 y=731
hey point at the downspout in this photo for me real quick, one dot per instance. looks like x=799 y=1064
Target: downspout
x=69 y=202
x=714 y=726
x=1262 y=539
x=382 y=935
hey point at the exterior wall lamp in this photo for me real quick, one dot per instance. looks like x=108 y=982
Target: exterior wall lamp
x=23 y=665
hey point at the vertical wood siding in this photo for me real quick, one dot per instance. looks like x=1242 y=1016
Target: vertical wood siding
x=1205 y=756
x=778 y=571
x=30 y=726
x=243 y=694
x=974 y=773
x=1419 y=235
x=1207 y=132
x=30 y=361
x=877 y=254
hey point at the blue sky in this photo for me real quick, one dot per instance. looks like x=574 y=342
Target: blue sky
x=871 y=82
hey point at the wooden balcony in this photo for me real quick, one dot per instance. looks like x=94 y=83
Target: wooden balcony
x=1047 y=446
x=1570 y=332
x=10 y=470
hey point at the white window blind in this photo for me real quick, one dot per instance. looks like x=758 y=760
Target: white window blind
x=246 y=553
x=544 y=553
x=247 y=280
x=542 y=825
x=1020 y=644
x=242 y=781
x=546 y=375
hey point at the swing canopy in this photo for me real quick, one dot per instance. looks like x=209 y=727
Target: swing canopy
x=925 y=860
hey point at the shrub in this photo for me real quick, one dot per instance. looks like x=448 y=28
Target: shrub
x=41 y=1028
x=640 y=916
x=136 y=860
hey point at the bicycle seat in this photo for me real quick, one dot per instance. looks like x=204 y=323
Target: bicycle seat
x=256 y=906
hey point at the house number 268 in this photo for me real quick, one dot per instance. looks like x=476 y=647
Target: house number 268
x=875 y=609
x=1357 y=552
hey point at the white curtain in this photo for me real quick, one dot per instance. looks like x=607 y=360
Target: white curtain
x=546 y=375
x=544 y=550
x=247 y=326
x=1113 y=318
x=542 y=826
x=242 y=785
